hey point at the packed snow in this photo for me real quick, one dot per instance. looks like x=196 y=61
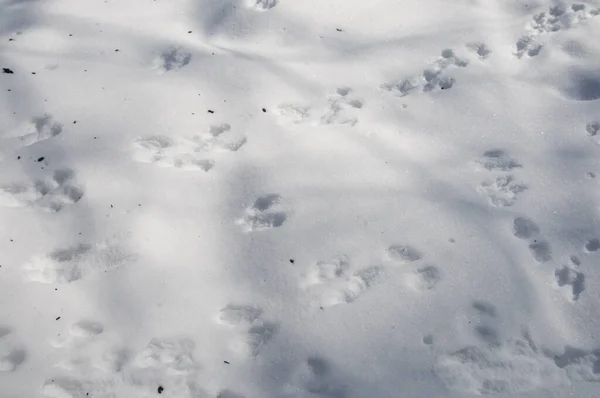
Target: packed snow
x=294 y=199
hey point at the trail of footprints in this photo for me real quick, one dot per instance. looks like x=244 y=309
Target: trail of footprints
x=516 y=364
x=337 y=281
x=435 y=77
x=568 y=277
x=188 y=153
x=96 y=366
x=503 y=190
x=555 y=19
x=93 y=362
x=343 y=107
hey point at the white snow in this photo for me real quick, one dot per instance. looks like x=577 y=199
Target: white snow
x=293 y=199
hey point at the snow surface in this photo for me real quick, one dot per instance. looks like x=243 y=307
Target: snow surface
x=310 y=198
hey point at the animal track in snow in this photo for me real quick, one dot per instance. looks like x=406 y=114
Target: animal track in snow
x=50 y=194
x=266 y=213
x=172 y=59
x=481 y=49
x=314 y=377
x=85 y=351
x=36 y=130
x=512 y=365
x=486 y=319
x=581 y=84
x=261 y=5
x=74 y=263
x=570 y=279
x=188 y=153
x=502 y=191
x=424 y=278
x=555 y=19
x=324 y=271
x=485 y=308
x=239 y=315
x=528 y=45
x=592 y=245
x=40 y=128
x=220 y=138
x=92 y=364
x=86 y=328
x=580 y=365
x=566 y=277
x=293 y=113
x=334 y=282
x=171 y=354
x=164 y=152
x=434 y=78
x=12 y=353
x=428 y=339
x=498 y=160
x=593 y=131
x=351 y=288
x=403 y=254
x=80 y=331
x=420 y=279
x=342 y=108
x=540 y=250
x=525 y=228
x=251 y=332
x=250 y=343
